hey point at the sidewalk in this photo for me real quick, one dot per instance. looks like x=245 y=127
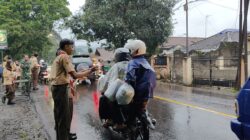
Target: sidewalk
x=21 y=121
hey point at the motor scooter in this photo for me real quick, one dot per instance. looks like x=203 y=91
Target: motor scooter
x=139 y=128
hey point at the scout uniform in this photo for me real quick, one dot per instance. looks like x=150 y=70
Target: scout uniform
x=60 y=79
x=9 y=77
x=18 y=73
x=34 y=70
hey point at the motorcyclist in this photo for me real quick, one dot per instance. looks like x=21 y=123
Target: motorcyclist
x=43 y=65
x=43 y=68
x=141 y=76
x=117 y=71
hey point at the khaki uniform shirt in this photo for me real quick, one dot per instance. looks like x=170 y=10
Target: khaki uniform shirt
x=4 y=64
x=34 y=62
x=13 y=65
x=60 y=70
x=8 y=77
x=18 y=71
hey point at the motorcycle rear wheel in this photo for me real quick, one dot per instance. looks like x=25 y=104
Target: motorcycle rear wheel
x=141 y=134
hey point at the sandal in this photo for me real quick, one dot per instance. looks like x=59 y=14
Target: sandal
x=107 y=123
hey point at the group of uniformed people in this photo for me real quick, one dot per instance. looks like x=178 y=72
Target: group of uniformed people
x=131 y=70
x=13 y=71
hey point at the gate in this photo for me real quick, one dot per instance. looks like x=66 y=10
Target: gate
x=214 y=71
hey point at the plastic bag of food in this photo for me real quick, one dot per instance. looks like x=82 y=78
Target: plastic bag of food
x=112 y=89
x=102 y=84
x=125 y=94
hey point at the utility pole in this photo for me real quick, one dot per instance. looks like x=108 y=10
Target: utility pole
x=206 y=25
x=239 y=76
x=186 y=9
x=246 y=5
x=243 y=57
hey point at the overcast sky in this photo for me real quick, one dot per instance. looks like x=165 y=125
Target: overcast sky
x=219 y=14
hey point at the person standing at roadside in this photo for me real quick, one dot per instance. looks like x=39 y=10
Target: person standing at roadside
x=9 y=77
x=25 y=65
x=62 y=69
x=5 y=59
x=34 y=70
x=18 y=72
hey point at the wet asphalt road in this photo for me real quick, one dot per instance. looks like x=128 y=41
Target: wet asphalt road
x=186 y=114
x=174 y=121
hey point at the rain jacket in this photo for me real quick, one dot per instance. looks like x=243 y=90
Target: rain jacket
x=141 y=76
x=117 y=71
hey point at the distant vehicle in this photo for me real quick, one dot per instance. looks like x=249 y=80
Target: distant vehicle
x=241 y=125
x=43 y=72
x=81 y=57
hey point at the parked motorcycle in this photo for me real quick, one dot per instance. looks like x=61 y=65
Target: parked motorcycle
x=139 y=128
x=43 y=73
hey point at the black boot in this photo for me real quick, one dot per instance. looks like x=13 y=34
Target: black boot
x=3 y=99
x=72 y=136
x=10 y=102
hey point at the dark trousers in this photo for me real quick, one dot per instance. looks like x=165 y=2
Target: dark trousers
x=110 y=110
x=61 y=111
x=10 y=92
x=34 y=72
x=70 y=111
x=17 y=84
x=117 y=111
x=137 y=109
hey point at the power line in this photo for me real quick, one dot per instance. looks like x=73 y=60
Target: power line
x=236 y=19
x=208 y=20
x=221 y=5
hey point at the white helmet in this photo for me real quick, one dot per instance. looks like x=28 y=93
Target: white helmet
x=41 y=61
x=134 y=45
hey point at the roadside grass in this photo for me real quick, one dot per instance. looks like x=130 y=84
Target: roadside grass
x=23 y=135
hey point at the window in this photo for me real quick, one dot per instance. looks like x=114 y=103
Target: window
x=161 y=60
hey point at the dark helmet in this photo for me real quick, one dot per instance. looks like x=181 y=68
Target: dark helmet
x=122 y=54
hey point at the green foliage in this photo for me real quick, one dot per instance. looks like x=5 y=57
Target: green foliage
x=29 y=22
x=120 y=20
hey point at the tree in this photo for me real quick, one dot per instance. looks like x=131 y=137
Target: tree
x=120 y=20
x=29 y=22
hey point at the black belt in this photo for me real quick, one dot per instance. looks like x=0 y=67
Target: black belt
x=61 y=85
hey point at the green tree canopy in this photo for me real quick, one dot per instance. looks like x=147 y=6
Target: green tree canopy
x=120 y=20
x=29 y=23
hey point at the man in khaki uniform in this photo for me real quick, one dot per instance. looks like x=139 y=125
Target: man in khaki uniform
x=34 y=70
x=61 y=71
x=9 y=77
